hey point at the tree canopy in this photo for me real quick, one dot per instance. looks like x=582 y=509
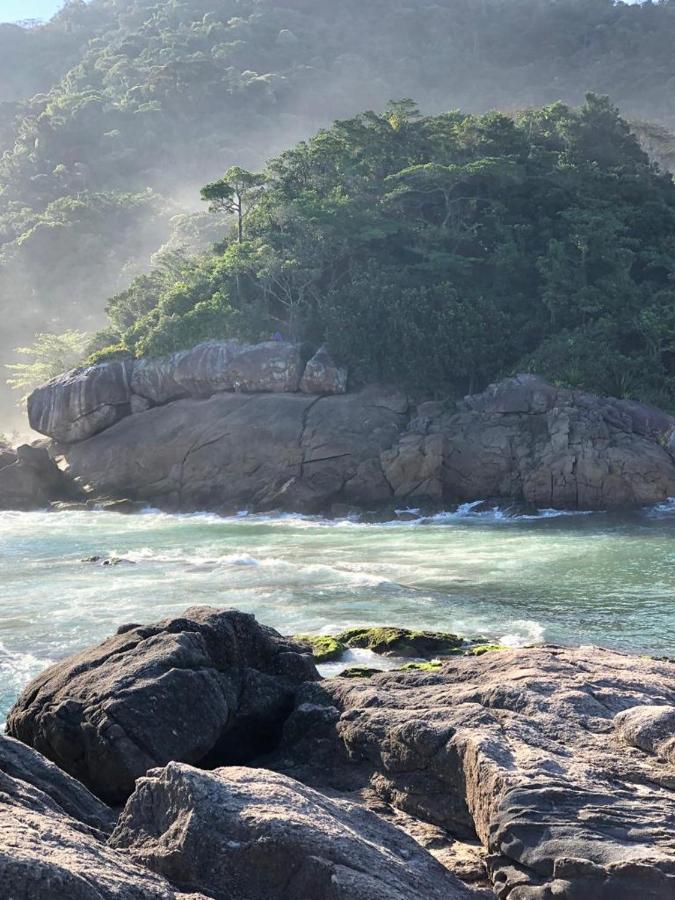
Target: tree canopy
x=443 y=252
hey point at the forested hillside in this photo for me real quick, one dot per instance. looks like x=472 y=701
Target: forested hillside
x=115 y=113
x=440 y=252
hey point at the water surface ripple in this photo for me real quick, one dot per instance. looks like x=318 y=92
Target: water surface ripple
x=594 y=578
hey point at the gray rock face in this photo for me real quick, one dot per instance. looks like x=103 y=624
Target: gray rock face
x=525 y=440
x=208 y=686
x=45 y=854
x=217 y=366
x=29 y=479
x=260 y=451
x=555 y=758
x=323 y=376
x=80 y=403
x=25 y=764
x=256 y=835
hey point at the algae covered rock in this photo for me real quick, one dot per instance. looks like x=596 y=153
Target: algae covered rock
x=323 y=647
x=401 y=641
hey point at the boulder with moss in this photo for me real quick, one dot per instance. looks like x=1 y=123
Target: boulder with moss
x=401 y=641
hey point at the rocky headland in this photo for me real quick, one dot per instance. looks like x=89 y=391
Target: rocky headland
x=227 y=426
x=235 y=772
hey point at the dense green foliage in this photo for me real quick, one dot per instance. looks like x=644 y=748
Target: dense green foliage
x=114 y=114
x=443 y=252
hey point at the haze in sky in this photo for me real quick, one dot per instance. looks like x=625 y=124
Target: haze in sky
x=17 y=10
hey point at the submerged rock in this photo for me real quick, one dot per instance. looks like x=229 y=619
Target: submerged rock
x=401 y=641
x=555 y=758
x=257 y=835
x=207 y=687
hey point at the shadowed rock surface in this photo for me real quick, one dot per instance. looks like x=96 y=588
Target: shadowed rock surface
x=29 y=479
x=251 y=834
x=207 y=687
x=557 y=759
x=260 y=451
x=323 y=375
x=522 y=440
x=25 y=764
x=45 y=854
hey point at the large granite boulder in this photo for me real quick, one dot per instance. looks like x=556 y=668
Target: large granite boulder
x=236 y=451
x=83 y=402
x=208 y=687
x=323 y=375
x=216 y=366
x=29 y=479
x=22 y=763
x=255 y=835
x=526 y=440
x=46 y=854
x=557 y=759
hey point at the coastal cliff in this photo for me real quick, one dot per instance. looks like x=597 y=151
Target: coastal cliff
x=227 y=426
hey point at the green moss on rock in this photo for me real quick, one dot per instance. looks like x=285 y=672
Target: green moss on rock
x=324 y=647
x=401 y=641
x=480 y=649
x=359 y=672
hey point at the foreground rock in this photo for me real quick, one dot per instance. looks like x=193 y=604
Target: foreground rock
x=558 y=760
x=522 y=440
x=45 y=854
x=207 y=687
x=22 y=763
x=29 y=479
x=255 y=835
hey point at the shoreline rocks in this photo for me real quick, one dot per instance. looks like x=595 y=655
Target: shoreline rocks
x=560 y=762
x=521 y=441
x=31 y=480
x=207 y=687
x=257 y=835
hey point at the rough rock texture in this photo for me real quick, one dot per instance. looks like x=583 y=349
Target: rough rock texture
x=47 y=855
x=83 y=402
x=210 y=686
x=255 y=835
x=526 y=440
x=255 y=451
x=555 y=758
x=29 y=479
x=323 y=376
x=259 y=443
x=25 y=764
x=217 y=366
x=401 y=641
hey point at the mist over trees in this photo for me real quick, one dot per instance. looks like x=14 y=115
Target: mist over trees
x=116 y=113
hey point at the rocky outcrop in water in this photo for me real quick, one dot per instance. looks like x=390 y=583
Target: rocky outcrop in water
x=522 y=440
x=556 y=759
x=29 y=479
x=209 y=686
x=252 y=834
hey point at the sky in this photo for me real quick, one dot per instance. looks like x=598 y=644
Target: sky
x=15 y=10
